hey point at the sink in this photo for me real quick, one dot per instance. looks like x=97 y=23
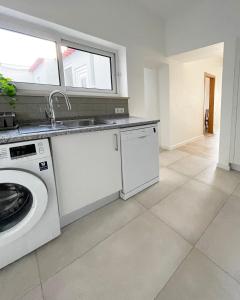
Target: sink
x=81 y=123
x=60 y=125
x=35 y=128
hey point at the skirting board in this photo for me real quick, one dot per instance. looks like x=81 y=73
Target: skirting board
x=73 y=216
x=235 y=167
x=173 y=147
x=139 y=189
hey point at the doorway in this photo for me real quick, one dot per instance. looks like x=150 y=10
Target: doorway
x=209 y=97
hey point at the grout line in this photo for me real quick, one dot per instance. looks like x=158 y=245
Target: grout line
x=217 y=213
x=165 y=196
x=172 y=228
x=179 y=159
x=219 y=267
x=194 y=175
x=38 y=266
x=178 y=267
x=94 y=246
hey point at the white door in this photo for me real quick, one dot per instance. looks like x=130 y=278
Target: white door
x=23 y=201
x=140 y=157
x=87 y=168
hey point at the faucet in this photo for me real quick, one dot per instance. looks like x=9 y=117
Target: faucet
x=51 y=113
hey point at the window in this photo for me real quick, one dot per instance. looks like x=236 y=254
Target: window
x=39 y=64
x=28 y=59
x=90 y=70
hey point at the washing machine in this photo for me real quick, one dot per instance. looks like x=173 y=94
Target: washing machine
x=29 y=214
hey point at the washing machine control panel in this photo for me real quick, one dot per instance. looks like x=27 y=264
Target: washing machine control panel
x=25 y=150
x=21 y=151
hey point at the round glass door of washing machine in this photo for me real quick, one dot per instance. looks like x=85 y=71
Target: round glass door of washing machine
x=15 y=203
x=23 y=203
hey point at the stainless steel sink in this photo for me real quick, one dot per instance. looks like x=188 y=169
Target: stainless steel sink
x=81 y=123
x=60 y=125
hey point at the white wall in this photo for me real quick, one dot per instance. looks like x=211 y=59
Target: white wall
x=207 y=23
x=187 y=98
x=151 y=96
x=120 y=22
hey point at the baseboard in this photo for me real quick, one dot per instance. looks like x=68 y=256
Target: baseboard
x=224 y=166
x=173 y=147
x=71 y=217
x=235 y=167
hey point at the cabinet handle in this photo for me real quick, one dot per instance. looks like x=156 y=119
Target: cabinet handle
x=116 y=141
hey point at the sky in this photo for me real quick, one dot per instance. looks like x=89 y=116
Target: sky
x=23 y=50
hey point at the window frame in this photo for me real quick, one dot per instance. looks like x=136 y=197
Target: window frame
x=93 y=50
x=24 y=88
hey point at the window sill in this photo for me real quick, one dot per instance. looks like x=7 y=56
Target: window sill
x=45 y=93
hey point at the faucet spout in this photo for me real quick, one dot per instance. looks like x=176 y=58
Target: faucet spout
x=51 y=115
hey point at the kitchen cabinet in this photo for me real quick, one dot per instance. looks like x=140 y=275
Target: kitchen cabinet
x=87 y=168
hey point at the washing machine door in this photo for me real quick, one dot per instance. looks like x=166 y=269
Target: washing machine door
x=23 y=201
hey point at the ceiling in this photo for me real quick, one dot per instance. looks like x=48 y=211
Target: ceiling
x=214 y=51
x=166 y=8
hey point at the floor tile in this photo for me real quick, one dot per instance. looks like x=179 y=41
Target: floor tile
x=221 y=241
x=200 y=279
x=169 y=157
x=236 y=192
x=169 y=181
x=190 y=209
x=82 y=235
x=34 y=294
x=201 y=151
x=221 y=179
x=134 y=263
x=191 y=165
x=18 y=278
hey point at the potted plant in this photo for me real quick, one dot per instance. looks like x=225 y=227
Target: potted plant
x=8 y=90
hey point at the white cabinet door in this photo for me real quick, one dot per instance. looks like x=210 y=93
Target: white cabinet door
x=87 y=168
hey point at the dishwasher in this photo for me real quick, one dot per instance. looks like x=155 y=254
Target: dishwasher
x=140 y=159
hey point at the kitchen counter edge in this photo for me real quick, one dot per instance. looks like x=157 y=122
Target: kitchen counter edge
x=12 y=136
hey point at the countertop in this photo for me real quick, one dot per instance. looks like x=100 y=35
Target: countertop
x=35 y=132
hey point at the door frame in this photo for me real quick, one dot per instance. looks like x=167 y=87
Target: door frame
x=211 y=101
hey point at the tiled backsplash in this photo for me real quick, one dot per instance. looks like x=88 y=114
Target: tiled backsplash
x=32 y=108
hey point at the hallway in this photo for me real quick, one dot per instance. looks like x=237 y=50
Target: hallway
x=207 y=147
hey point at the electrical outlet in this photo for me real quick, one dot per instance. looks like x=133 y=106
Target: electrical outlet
x=119 y=110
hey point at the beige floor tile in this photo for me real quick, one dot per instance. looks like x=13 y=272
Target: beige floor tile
x=34 y=294
x=191 y=165
x=169 y=157
x=236 y=192
x=190 y=209
x=82 y=235
x=221 y=179
x=18 y=278
x=201 y=151
x=221 y=241
x=169 y=181
x=200 y=279
x=134 y=263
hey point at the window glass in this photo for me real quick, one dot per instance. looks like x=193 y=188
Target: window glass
x=28 y=59
x=87 y=70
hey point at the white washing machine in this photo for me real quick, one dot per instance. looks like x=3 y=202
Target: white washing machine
x=29 y=214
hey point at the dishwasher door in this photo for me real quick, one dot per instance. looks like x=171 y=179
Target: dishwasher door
x=140 y=159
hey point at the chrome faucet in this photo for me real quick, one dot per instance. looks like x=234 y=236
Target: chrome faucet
x=51 y=113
